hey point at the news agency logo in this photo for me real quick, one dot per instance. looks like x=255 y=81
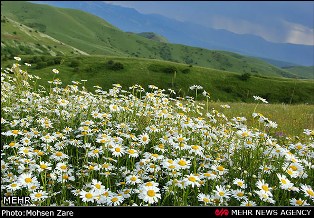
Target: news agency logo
x=20 y=200
x=221 y=212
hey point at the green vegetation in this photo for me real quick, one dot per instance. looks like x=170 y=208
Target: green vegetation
x=93 y=35
x=18 y=39
x=153 y=36
x=66 y=146
x=302 y=71
x=223 y=86
x=291 y=119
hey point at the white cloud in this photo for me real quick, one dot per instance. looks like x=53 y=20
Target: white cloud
x=275 y=31
x=299 y=34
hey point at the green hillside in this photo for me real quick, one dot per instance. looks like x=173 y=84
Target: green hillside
x=302 y=71
x=93 y=35
x=222 y=86
x=17 y=38
x=153 y=36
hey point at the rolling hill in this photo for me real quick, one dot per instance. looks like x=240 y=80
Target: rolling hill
x=94 y=36
x=223 y=86
x=187 y=33
x=17 y=38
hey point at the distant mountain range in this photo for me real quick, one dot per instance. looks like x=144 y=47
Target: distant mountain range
x=28 y=28
x=130 y=20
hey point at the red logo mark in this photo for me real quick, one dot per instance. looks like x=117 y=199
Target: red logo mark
x=222 y=212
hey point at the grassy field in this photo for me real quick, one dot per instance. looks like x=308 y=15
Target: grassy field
x=68 y=146
x=222 y=86
x=291 y=119
x=306 y=72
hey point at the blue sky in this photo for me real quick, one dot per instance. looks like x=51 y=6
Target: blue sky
x=275 y=21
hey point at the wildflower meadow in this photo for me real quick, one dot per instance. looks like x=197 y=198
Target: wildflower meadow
x=64 y=145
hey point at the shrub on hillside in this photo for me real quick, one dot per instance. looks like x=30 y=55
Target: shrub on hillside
x=186 y=71
x=74 y=63
x=115 y=66
x=245 y=76
x=41 y=65
x=170 y=69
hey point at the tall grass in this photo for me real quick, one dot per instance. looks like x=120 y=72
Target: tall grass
x=138 y=146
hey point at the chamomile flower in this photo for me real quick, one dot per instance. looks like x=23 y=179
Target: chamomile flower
x=204 y=198
x=240 y=183
x=114 y=200
x=39 y=195
x=26 y=179
x=299 y=202
x=263 y=186
x=88 y=196
x=143 y=139
x=133 y=179
x=284 y=182
x=192 y=180
x=308 y=191
x=150 y=194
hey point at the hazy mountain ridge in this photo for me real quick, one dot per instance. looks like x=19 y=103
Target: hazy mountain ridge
x=93 y=35
x=191 y=34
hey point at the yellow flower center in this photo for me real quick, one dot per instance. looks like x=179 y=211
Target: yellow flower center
x=195 y=147
x=265 y=188
x=15 y=132
x=131 y=151
x=310 y=192
x=59 y=154
x=220 y=168
x=240 y=183
x=299 y=202
x=151 y=193
x=133 y=178
x=294 y=168
x=28 y=180
x=88 y=195
x=245 y=134
x=182 y=162
x=192 y=179
x=221 y=193
x=65 y=176
x=43 y=166
x=180 y=139
x=206 y=200
x=149 y=184
x=13 y=185
x=240 y=194
x=38 y=195
x=283 y=181
x=98 y=186
x=96 y=151
x=63 y=167
x=114 y=199
x=117 y=149
x=12 y=144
